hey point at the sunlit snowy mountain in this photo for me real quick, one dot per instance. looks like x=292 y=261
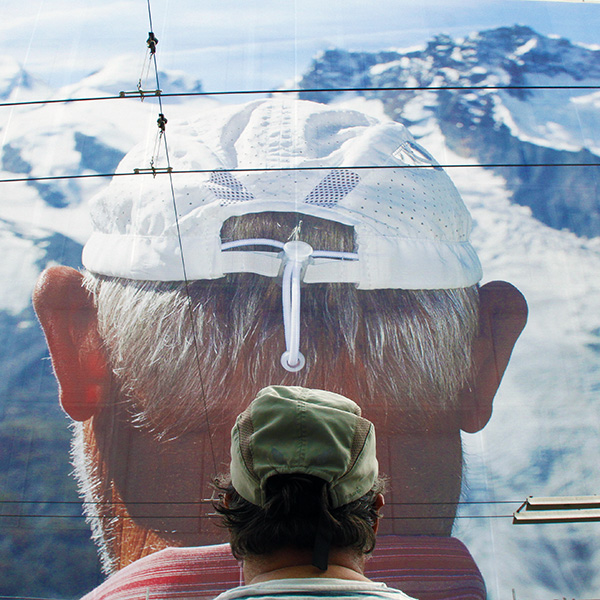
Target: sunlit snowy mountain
x=506 y=126
x=536 y=225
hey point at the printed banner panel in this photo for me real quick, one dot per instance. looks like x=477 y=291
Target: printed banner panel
x=397 y=149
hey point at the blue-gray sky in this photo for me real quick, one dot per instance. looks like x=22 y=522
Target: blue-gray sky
x=234 y=44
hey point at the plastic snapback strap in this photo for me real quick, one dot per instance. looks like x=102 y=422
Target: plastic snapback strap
x=296 y=257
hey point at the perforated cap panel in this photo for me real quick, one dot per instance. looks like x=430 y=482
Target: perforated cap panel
x=226 y=187
x=284 y=155
x=335 y=186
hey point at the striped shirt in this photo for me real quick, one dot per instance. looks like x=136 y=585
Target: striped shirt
x=427 y=568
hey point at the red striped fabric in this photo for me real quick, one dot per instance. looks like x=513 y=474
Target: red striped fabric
x=427 y=568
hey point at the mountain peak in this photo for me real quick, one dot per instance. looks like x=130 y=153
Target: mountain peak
x=123 y=73
x=15 y=80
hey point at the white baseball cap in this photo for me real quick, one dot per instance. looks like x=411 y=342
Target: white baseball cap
x=285 y=155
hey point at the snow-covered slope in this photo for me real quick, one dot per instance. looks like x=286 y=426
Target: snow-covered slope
x=123 y=73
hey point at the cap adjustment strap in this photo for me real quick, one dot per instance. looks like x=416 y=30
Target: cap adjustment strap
x=296 y=257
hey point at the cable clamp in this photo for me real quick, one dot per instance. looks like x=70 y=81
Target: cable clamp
x=140 y=92
x=154 y=170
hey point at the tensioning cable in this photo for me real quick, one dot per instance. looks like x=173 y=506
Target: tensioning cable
x=161 y=122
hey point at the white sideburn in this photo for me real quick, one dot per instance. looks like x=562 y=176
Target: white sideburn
x=296 y=256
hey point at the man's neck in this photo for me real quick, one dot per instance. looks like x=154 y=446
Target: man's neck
x=296 y=564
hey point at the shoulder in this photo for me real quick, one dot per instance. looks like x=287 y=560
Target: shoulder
x=281 y=589
x=171 y=573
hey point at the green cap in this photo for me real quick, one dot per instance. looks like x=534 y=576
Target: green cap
x=289 y=429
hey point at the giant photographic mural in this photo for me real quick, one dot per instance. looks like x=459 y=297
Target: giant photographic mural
x=505 y=96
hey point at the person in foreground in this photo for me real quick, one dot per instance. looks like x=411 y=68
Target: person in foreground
x=302 y=500
x=299 y=244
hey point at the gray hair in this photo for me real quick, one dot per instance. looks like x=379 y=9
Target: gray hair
x=184 y=352
x=87 y=470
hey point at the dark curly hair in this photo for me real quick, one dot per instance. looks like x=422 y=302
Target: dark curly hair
x=297 y=507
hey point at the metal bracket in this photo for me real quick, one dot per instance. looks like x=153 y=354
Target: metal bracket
x=141 y=93
x=154 y=170
x=558 y=509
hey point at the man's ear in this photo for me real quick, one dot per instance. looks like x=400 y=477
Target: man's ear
x=502 y=317
x=379 y=504
x=68 y=317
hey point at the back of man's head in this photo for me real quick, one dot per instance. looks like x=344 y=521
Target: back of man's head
x=392 y=316
x=303 y=476
x=299 y=244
